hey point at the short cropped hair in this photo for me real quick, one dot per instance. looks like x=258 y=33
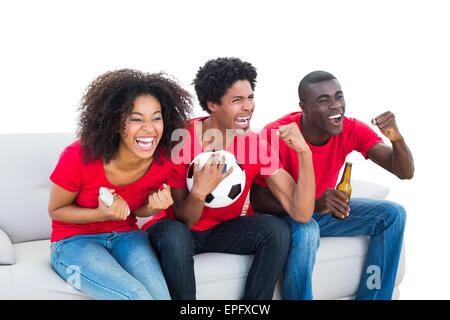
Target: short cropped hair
x=311 y=78
x=218 y=75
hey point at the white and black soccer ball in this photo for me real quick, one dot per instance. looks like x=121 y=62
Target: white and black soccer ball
x=229 y=189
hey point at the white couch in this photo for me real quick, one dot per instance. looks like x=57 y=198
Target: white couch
x=25 y=272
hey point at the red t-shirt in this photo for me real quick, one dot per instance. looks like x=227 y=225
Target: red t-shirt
x=328 y=159
x=75 y=176
x=253 y=157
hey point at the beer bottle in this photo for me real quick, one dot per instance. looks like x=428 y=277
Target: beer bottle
x=344 y=185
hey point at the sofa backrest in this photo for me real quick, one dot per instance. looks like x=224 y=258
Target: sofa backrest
x=26 y=162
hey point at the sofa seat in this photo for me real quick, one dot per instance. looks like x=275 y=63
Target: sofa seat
x=336 y=274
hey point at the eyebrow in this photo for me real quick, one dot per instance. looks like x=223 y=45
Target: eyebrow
x=326 y=95
x=138 y=113
x=240 y=97
x=322 y=96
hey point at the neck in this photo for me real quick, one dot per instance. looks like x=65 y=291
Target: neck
x=313 y=135
x=218 y=142
x=127 y=161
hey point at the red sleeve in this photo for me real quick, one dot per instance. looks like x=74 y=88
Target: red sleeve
x=364 y=137
x=68 y=171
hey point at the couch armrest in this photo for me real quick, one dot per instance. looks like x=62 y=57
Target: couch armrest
x=364 y=189
x=6 y=249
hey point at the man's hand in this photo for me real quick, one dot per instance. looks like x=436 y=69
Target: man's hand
x=210 y=175
x=387 y=125
x=159 y=200
x=335 y=201
x=292 y=136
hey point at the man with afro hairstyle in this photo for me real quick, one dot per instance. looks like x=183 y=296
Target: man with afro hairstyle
x=224 y=87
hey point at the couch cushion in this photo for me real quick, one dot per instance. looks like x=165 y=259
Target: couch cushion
x=368 y=190
x=338 y=268
x=6 y=283
x=25 y=183
x=33 y=276
x=339 y=264
x=336 y=275
x=221 y=275
x=6 y=249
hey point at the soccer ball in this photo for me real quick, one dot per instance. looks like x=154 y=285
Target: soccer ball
x=229 y=189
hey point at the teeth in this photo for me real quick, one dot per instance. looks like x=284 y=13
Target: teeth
x=242 y=119
x=145 y=141
x=336 y=116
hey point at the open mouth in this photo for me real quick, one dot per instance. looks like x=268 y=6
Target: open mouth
x=242 y=121
x=335 y=119
x=145 y=143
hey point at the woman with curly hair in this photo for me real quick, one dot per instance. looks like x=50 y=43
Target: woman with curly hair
x=127 y=118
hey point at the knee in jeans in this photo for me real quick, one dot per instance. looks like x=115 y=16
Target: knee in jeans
x=306 y=234
x=280 y=231
x=395 y=213
x=169 y=233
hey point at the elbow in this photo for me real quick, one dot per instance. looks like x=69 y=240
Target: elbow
x=302 y=219
x=302 y=216
x=187 y=220
x=51 y=213
x=407 y=175
x=304 y=212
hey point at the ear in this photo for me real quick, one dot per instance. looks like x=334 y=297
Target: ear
x=212 y=106
x=303 y=106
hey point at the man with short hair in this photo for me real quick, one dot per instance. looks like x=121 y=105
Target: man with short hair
x=331 y=136
x=224 y=88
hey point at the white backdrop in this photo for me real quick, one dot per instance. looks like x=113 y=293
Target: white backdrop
x=388 y=55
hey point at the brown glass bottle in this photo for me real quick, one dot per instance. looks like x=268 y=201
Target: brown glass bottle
x=344 y=185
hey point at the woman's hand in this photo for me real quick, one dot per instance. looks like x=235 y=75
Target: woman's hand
x=159 y=200
x=118 y=211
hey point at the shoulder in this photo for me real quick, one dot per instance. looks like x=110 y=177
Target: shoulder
x=74 y=156
x=73 y=152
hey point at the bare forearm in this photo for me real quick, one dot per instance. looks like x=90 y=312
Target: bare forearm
x=76 y=214
x=302 y=201
x=190 y=210
x=143 y=212
x=402 y=160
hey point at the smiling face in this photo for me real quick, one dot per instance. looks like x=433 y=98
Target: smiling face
x=324 y=107
x=143 y=128
x=236 y=108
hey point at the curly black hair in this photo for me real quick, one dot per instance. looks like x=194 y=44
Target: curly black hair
x=218 y=75
x=109 y=99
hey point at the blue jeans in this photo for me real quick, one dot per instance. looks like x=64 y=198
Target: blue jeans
x=267 y=237
x=116 y=266
x=382 y=220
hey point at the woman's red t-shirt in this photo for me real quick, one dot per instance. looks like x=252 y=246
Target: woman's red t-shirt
x=73 y=175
